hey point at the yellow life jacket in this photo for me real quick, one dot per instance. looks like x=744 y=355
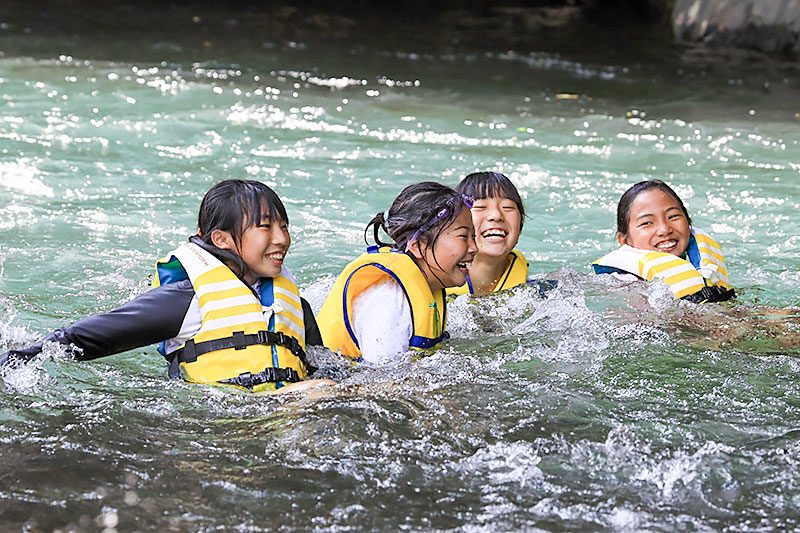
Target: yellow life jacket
x=516 y=273
x=428 y=311
x=250 y=344
x=703 y=278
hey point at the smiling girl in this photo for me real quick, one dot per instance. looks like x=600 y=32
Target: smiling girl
x=657 y=241
x=224 y=308
x=498 y=215
x=393 y=297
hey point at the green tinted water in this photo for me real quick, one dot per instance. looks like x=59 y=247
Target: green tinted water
x=600 y=407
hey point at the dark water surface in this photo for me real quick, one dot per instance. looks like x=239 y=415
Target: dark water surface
x=599 y=407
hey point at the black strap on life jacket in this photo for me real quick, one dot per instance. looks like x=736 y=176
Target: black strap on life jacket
x=268 y=375
x=711 y=294
x=192 y=350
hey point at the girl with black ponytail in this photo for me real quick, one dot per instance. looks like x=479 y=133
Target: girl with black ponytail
x=392 y=298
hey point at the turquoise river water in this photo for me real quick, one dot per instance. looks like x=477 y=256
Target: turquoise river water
x=596 y=407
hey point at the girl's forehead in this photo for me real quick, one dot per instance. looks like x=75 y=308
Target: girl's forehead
x=654 y=196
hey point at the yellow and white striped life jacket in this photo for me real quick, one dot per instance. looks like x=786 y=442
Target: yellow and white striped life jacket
x=704 y=277
x=252 y=343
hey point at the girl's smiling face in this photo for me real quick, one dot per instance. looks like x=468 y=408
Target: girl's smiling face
x=497 y=223
x=446 y=263
x=264 y=247
x=657 y=222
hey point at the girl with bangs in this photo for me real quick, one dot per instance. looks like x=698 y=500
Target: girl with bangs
x=392 y=298
x=498 y=215
x=224 y=309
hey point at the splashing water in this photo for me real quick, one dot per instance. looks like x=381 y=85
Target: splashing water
x=599 y=404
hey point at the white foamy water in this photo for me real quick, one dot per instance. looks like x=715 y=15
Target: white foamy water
x=600 y=404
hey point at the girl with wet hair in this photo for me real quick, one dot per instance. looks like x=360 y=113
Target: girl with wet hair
x=498 y=215
x=627 y=200
x=393 y=297
x=224 y=308
x=657 y=241
x=233 y=206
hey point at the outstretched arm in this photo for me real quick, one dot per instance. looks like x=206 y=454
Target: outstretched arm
x=152 y=317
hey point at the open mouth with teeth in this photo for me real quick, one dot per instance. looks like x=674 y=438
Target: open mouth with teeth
x=464 y=267
x=667 y=245
x=494 y=234
x=276 y=257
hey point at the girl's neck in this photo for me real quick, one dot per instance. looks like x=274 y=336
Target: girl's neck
x=485 y=272
x=433 y=282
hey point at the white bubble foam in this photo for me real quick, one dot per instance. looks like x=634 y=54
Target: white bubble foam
x=22 y=176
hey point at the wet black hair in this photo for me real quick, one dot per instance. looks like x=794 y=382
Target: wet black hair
x=233 y=206
x=624 y=205
x=480 y=185
x=416 y=206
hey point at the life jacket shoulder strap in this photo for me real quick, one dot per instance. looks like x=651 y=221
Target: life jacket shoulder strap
x=516 y=272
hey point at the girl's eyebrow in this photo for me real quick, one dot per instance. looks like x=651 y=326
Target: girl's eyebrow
x=643 y=215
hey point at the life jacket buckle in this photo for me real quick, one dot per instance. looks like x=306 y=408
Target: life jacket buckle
x=712 y=294
x=281 y=339
x=239 y=340
x=248 y=380
x=270 y=375
x=245 y=380
x=188 y=354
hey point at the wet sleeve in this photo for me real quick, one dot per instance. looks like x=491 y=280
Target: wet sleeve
x=150 y=318
x=313 y=335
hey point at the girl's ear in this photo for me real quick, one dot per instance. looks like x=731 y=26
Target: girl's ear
x=621 y=239
x=415 y=250
x=223 y=240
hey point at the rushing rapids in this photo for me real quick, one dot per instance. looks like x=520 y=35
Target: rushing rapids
x=590 y=404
